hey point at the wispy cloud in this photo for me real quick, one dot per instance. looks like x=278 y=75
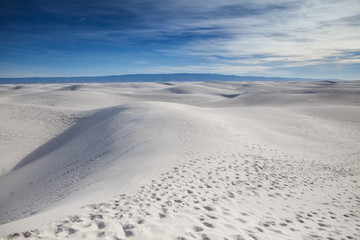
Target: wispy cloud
x=262 y=34
x=222 y=35
x=301 y=34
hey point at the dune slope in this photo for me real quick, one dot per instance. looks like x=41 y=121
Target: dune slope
x=212 y=160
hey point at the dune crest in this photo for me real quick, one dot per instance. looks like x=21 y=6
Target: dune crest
x=194 y=160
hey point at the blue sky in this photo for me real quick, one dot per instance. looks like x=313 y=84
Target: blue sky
x=284 y=38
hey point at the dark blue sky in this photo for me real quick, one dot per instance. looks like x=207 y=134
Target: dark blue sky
x=319 y=39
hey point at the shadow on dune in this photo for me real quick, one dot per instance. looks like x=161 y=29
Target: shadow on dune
x=82 y=125
x=166 y=83
x=178 y=90
x=327 y=82
x=230 y=95
x=71 y=88
x=18 y=87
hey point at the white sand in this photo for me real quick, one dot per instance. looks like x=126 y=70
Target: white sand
x=214 y=160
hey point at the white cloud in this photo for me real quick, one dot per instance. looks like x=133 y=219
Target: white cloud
x=302 y=33
x=220 y=36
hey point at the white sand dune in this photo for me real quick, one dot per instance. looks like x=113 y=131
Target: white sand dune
x=192 y=160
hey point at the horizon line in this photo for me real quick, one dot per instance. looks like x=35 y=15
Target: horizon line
x=171 y=74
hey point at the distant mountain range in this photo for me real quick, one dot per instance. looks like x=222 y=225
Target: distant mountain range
x=178 y=77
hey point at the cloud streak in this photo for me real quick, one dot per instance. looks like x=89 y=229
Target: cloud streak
x=303 y=34
x=223 y=35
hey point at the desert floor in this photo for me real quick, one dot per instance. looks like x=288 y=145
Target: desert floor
x=180 y=160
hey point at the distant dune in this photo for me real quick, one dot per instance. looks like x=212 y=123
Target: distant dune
x=180 y=160
x=177 y=77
